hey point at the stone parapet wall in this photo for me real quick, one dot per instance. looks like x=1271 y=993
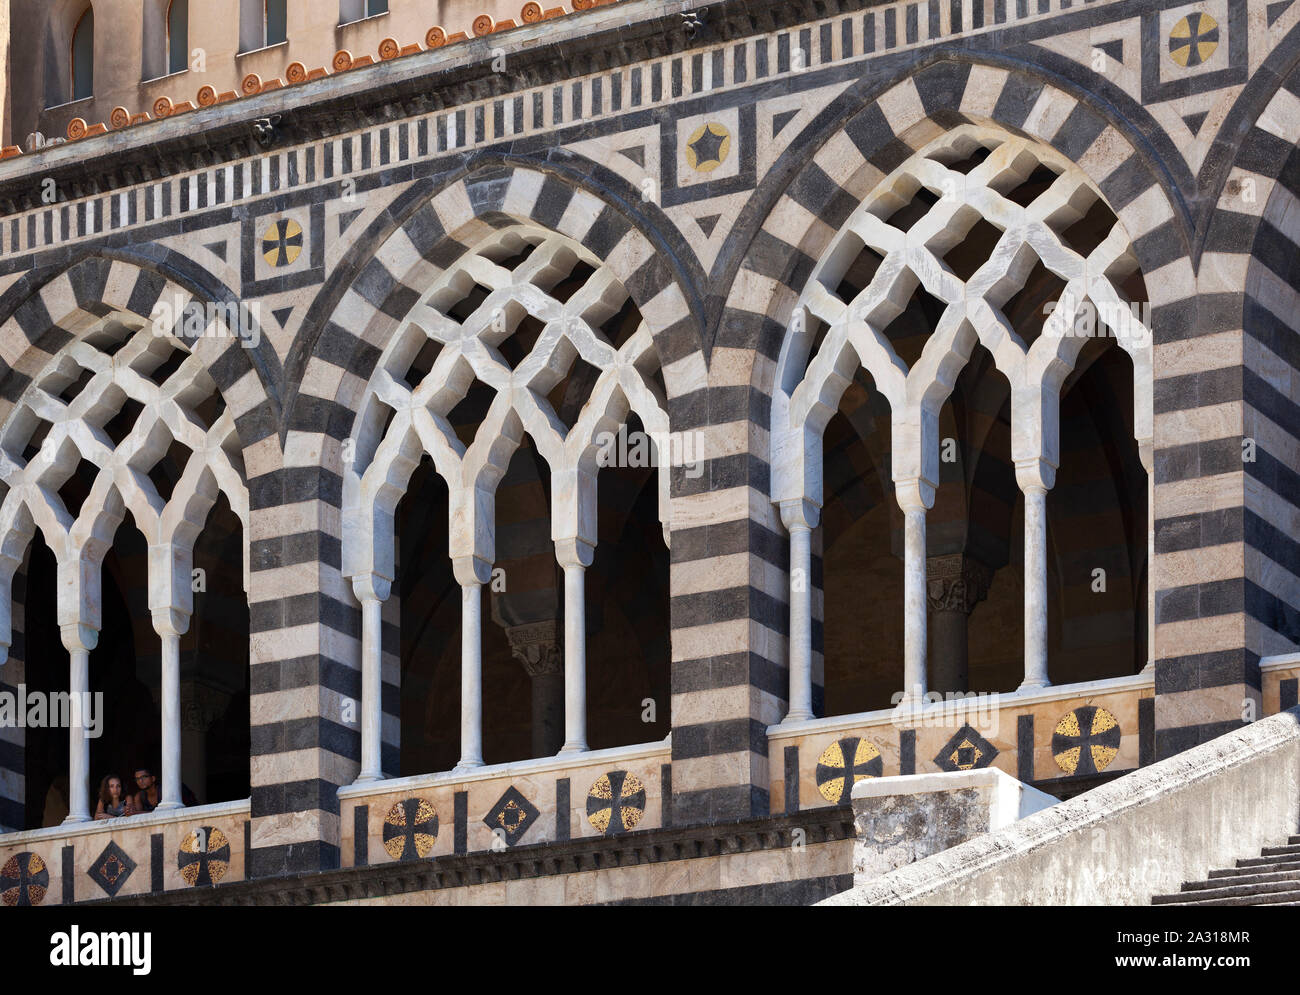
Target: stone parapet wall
x=1124 y=842
x=1059 y=735
x=605 y=793
x=136 y=855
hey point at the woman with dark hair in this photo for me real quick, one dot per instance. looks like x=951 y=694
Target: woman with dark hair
x=112 y=803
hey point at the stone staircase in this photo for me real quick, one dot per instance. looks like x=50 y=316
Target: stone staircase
x=1273 y=878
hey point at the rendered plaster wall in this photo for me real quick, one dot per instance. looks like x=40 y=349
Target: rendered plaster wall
x=1120 y=844
x=130 y=49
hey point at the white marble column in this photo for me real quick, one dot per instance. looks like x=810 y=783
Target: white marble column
x=372 y=591
x=78 y=640
x=170 y=625
x=575 y=556
x=1036 y=478
x=800 y=518
x=914 y=497
x=1146 y=451
x=471 y=573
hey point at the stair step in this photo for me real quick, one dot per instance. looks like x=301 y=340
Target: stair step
x=1278 y=851
x=1273 y=898
x=1277 y=867
x=1261 y=861
x=1238 y=880
x=1248 y=893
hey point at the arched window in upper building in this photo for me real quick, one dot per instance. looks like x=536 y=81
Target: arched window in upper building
x=355 y=10
x=83 y=56
x=262 y=23
x=178 y=36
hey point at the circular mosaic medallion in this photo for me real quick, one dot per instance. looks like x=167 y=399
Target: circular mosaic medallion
x=282 y=242
x=1086 y=740
x=708 y=147
x=843 y=764
x=410 y=829
x=204 y=856
x=615 y=802
x=24 y=879
x=1193 y=40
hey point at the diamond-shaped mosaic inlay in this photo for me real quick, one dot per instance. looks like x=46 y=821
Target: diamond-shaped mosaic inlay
x=111 y=869
x=967 y=750
x=513 y=814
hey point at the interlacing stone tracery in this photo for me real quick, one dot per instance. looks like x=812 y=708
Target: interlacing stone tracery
x=469 y=349
x=543 y=297
x=122 y=419
x=902 y=239
x=115 y=403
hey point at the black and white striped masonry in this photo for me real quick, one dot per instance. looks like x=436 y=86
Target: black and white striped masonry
x=1217 y=247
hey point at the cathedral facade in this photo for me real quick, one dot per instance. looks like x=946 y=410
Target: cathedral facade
x=485 y=455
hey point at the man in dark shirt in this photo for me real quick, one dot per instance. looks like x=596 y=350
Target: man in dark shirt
x=147 y=798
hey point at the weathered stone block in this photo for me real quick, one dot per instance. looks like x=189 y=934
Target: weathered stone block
x=900 y=820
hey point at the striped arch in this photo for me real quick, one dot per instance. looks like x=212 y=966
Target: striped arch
x=43 y=311
x=873 y=134
x=437 y=226
x=418 y=241
x=861 y=138
x=108 y=366
x=43 y=342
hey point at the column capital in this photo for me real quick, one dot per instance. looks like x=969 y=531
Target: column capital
x=471 y=571
x=370 y=586
x=170 y=621
x=538 y=646
x=574 y=552
x=1035 y=474
x=914 y=493
x=78 y=636
x=956 y=583
x=1147 y=453
x=800 y=513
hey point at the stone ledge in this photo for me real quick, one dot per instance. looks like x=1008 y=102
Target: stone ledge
x=825 y=825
